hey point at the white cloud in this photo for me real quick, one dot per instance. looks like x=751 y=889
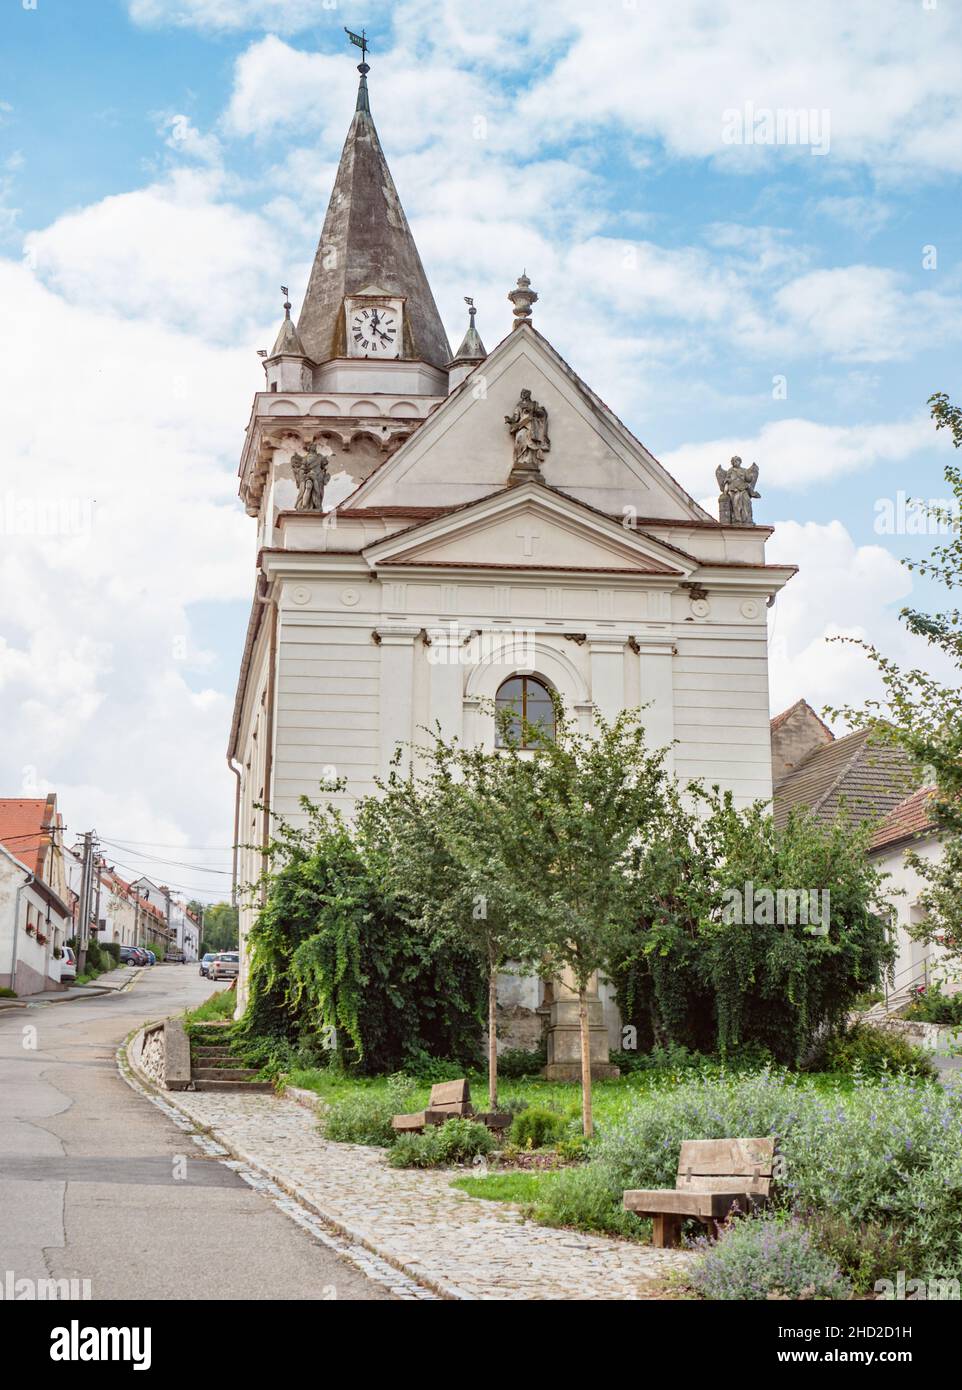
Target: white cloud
x=131 y=451
x=863 y=216
x=285 y=16
x=183 y=137
x=842 y=589
x=860 y=313
x=794 y=454
x=171 y=253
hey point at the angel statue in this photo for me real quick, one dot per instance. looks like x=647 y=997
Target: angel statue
x=528 y=427
x=312 y=476
x=737 y=488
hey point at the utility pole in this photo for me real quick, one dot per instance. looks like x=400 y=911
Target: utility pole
x=83 y=915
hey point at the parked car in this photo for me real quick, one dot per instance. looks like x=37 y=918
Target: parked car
x=175 y=956
x=133 y=955
x=68 y=964
x=205 y=962
x=224 y=966
x=151 y=958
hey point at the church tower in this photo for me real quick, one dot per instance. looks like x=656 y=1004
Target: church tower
x=441 y=535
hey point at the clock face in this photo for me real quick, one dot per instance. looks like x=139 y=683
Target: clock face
x=375 y=332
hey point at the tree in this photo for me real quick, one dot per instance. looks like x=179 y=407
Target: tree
x=438 y=839
x=588 y=808
x=921 y=714
x=220 y=926
x=752 y=934
x=336 y=971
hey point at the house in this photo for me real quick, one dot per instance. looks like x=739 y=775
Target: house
x=855 y=772
x=35 y=914
x=869 y=781
x=441 y=532
x=183 y=927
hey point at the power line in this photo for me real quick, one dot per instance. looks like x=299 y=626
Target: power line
x=157 y=859
x=157 y=844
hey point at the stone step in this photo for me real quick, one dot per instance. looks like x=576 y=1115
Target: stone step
x=212 y=1051
x=224 y=1073
x=233 y=1086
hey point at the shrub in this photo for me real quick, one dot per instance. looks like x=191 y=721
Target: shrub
x=865 y=1251
x=459 y=1141
x=889 y=1152
x=537 y=1127
x=765 y=1257
x=588 y=1199
x=329 y=949
x=112 y=949
x=7 y=993
x=414 y=1151
x=931 y=1005
x=360 y=1118
x=433 y=1070
x=873 y=1051
x=515 y=1063
x=456 y=1141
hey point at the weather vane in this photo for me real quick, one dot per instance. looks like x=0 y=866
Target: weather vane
x=360 y=40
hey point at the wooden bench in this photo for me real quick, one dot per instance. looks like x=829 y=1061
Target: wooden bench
x=714 y=1175
x=449 y=1100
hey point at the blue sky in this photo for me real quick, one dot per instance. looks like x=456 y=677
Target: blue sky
x=165 y=165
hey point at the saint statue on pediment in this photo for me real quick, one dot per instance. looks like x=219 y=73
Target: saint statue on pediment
x=737 y=488
x=528 y=427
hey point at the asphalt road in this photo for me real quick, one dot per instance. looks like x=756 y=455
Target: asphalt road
x=97 y=1184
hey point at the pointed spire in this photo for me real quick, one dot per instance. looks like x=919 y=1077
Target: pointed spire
x=287 y=343
x=367 y=241
x=363 y=101
x=472 y=349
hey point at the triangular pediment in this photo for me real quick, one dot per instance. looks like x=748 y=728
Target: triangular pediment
x=530 y=527
x=464 y=451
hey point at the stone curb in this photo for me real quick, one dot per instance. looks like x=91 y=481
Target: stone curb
x=88 y=992
x=356 y=1235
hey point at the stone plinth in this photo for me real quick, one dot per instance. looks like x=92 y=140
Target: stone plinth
x=564 y=1042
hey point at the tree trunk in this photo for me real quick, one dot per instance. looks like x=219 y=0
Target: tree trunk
x=588 y=1123
x=493 y=1038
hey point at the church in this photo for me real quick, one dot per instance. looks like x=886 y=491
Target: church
x=439 y=532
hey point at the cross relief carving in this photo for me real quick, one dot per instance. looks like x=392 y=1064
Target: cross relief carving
x=529 y=538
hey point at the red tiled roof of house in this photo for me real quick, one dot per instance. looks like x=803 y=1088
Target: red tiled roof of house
x=869 y=778
x=909 y=818
x=25 y=828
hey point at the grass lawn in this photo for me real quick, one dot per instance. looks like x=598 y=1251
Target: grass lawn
x=612 y=1100
x=522 y=1188
x=218 y=1006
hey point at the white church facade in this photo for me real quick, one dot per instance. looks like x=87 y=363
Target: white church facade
x=437 y=530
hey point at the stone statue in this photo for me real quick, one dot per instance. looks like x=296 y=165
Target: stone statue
x=312 y=476
x=528 y=427
x=737 y=485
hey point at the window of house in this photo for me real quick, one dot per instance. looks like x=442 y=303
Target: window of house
x=529 y=702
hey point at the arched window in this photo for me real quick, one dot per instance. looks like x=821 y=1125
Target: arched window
x=529 y=701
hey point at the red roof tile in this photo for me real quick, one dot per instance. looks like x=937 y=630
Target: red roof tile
x=24 y=829
x=909 y=818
